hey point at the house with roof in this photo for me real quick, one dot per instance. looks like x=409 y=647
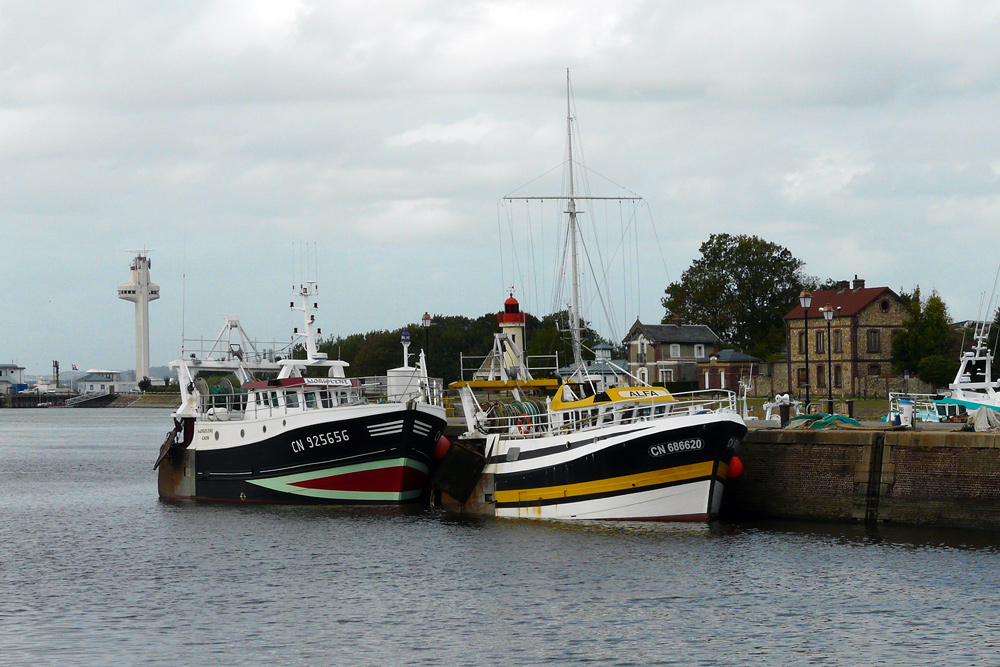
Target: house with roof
x=727 y=369
x=99 y=381
x=662 y=353
x=12 y=379
x=853 y=349
x=603 y=371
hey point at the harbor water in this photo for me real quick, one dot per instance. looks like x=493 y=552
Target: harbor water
x=97 y=571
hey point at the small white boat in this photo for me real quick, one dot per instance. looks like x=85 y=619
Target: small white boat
x=973 y=388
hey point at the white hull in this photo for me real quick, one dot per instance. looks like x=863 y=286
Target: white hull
x=677 y=503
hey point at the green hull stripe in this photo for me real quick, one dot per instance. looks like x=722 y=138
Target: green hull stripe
x=286 y=483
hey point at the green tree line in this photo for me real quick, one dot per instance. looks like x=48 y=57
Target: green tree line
x=447 y=339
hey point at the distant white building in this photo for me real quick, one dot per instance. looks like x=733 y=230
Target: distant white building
x=98 y=381
x=11 y=378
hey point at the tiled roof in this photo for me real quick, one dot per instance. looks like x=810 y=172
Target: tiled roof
x=850 y=301
x=596 y=367
x=672 y=333
x=735 y=356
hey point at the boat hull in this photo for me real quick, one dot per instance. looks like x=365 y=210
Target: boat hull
x=664 y=470
x=364 y=455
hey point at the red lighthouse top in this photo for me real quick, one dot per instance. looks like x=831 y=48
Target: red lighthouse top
x=511 y=312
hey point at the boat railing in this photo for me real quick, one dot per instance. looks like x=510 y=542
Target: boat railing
x=378 y=389
x=487 y=367
x=528 y=419
x=924 y=406
x=234 y=406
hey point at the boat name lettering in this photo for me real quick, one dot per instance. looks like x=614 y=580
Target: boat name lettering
x=642 y=393
x=673 y=447
x=311 y=441
x=332 y=382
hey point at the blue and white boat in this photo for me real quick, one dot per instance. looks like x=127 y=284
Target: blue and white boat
x=974 y=387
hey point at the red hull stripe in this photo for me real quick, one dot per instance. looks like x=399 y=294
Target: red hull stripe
x=398 y=478
x=391 y=480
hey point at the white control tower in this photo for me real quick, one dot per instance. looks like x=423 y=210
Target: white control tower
x=140 y=291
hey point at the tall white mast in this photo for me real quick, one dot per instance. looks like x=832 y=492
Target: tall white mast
x=572 y=231
x=574 y=314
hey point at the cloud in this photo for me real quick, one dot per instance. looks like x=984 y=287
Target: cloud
x=860 y=135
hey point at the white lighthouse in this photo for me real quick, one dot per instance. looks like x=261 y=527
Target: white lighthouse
x=140 y=291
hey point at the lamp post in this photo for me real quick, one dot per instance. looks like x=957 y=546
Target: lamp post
x=805 y=298
x=425 y=322
x=828 y=316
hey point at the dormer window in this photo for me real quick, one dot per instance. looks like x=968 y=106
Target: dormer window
x=699 y=351
x=675 y=350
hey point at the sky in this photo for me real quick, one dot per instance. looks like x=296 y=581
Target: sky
x=235 y=138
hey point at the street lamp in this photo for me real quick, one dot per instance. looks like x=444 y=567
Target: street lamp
x=425 y=322
x=828 y=316
x=805 y=298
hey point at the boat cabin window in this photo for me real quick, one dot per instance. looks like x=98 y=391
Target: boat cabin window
x=627 y=416
x=274 y=399
x=659 y=410
x=292 y=399
x=324 y=396
x=311 y=400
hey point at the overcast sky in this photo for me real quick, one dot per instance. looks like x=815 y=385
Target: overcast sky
x=223 y=133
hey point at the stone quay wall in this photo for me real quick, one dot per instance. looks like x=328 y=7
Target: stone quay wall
x=946 y=479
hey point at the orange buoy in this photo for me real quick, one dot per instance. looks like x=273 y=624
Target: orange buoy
x=442 y=448
x=735 y=468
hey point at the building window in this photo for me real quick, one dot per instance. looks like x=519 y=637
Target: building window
x=874 y=342
x=820 y=342
x=675 y=350
x=803 y=377
x=820 y=377
x=699 y=351
x=802 y=342
x=874 y=369
x=666 y=375
x=838 y=377
x=838 y=344
x=642 y=345
x=643 y=376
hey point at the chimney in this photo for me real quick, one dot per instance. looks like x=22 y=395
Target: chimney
x=843 y=284
x=858 y=283
x=678 y=321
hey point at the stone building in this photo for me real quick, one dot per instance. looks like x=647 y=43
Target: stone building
x=853 y=350
x=662 y=353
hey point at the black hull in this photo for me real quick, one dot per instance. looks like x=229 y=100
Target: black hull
x=383 y=458
x=640 y=467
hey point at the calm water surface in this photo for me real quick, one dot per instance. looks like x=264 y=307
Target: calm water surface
x=97 y=571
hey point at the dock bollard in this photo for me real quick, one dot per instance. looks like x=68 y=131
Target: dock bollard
x=785 y=411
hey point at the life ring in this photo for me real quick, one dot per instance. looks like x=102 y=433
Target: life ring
x=523 y=425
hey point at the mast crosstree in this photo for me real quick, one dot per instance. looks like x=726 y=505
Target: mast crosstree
x=572 y=233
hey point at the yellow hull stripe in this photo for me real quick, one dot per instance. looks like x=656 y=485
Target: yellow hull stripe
x=613 y=484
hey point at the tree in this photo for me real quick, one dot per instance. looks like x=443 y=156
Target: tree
x=741 y=287
x=927 y=344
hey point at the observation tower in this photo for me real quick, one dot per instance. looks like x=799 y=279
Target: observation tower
x=140 y=291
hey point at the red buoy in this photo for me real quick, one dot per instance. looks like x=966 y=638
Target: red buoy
x=735 y=468
x=442 y=448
